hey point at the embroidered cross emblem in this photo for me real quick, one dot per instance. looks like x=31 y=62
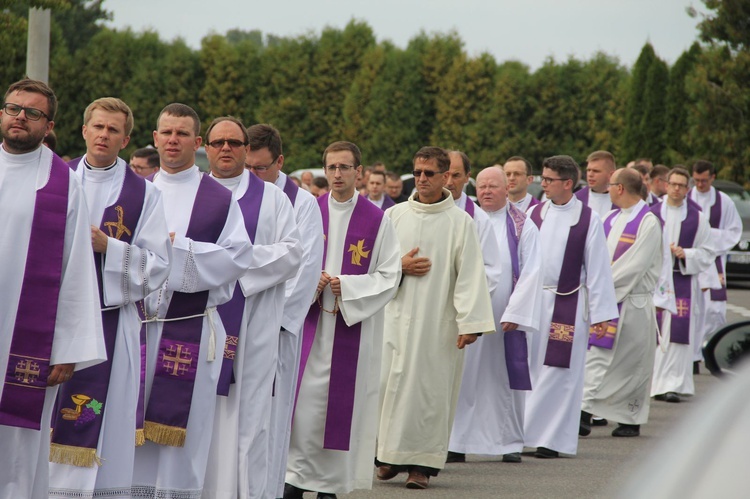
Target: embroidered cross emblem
x=358 y=252
x=634 y=406
x=232 y=341
x=177 y=360
x=117 y=229
x=27 y=371
x=683 y=307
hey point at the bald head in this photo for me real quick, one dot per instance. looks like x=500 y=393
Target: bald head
x=492 y=188
x=625 y=187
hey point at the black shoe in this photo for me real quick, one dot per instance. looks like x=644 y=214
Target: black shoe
x=326 y=495
x=671 y=397
x=627 y=430
x=599 y=422
x=545 y=453
x=455 y=457
x=697 y=367
x=513 y=457
x=584 y=430
x=292 y=492
x=661 y=397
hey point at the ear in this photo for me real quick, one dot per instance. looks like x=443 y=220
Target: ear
x=125 y=142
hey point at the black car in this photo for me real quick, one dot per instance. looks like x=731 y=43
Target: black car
x=738 y=259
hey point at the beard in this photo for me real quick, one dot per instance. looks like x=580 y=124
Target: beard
x=22 y=143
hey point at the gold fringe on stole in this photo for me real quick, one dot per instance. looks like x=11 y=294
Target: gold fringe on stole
x=83 y=457
x=164 y=435
x=140 y=437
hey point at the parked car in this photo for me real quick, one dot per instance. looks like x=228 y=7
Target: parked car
x=201 y=159
x=738 y=259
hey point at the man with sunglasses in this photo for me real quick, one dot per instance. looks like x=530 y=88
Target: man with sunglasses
x=50 y=323
x=336 y=415
x=265 y=158
x=443 y=303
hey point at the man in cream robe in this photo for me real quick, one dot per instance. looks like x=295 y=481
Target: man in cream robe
x=442 y=304
x=673 y=374
x=315 y=462
x=239 y=456
x=554 y=405
x=618 y=379
x=489 y=416
x=77 y=341
x=130 y=271
x=166 y=470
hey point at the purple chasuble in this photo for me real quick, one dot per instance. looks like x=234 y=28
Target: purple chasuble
x=562 y=327
x=714 y=219
x=516 y=347
x=81 y=402
x=25 y=379
x=361 y=234
x=290 y=189
x=171 y=396
x=680 y=328
x=232 y=311
x=627 y=239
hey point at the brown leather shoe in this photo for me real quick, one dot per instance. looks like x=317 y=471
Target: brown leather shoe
x=417 y=480
x=386 y=472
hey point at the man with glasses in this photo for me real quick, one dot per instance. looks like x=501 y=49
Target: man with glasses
x=599 y=167
x=265 y=159
x=658 y=185
x=50 y=323
x=144 y=161
x=519 y=175
x=688 y=234
x=185 y=336
x=726 y=231
x=336 y=415
x=238 y=459
x=577 y=292
x=442 y=305
x=132 y=253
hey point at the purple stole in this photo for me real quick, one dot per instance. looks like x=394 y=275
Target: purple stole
x=583 y=195
x=177 y=361
x=25 y=379
x=470 y=207
x=516 y=348
x=534 y=201
x=562 y=327
x=232 y=311
x=714 y=219
x=81 y=402
x=680 y=328
x=627 y=239
x=290 y=189
x=387 y=202
x=359 y=241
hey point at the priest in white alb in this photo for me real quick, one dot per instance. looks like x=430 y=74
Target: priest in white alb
x=520 y=175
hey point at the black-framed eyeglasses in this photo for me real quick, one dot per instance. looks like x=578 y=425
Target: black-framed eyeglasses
x=427 y=173
x=343 y=168
x=32 y=114
x=262 y=168
x=549 y=180
x=677 y=185
x=233 y=143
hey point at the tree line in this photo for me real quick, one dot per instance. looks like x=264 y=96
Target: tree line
x=344 y=84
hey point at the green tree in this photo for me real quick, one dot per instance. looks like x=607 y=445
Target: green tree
x=654 y=124
x=634 y=139
x=678 y=104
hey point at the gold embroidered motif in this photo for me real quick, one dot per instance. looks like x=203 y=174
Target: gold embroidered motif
x=231 y=341
x=561 y=332
x=119 y=227
x=27 y=371
x=358 y=252
x=177 y=360
x=683 y=307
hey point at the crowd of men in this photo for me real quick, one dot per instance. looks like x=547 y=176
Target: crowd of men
x=241 y=335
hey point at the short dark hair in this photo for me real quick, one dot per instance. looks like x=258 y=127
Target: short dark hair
x=437 y=153
x=658 y=171
x=464 y=160
x=320 y=182
x=179 y=110
x=151 y=155
x=36 y=87
x=378 y=172
x=342 y=145
x=702 y=165
x=631 y=180
x=641 y=168
x=677 y=170
x=529 y=168
x=263 y=136
x=565 y=166
x=232 y=119
x=392 y=176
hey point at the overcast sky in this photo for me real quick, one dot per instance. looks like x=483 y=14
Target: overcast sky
x=528 y=31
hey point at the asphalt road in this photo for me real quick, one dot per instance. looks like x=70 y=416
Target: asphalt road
x=602 y=465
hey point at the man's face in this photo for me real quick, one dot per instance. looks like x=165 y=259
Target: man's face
x=518 y=180
x=341 y=183
x=105 y=137
x=659 y=185
x=597 y=174
x=375 y=186
x=554 y=187
x=457 y=178
x=491 y=189
x=226 y=150
x=306 y=178
x=141 y=167
x=677 y=189
x=703 y=181
x=21 y=134
x=394 y=187
x=176 y=142
x=614 y=189
x=262 y=164
x=430 y=189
